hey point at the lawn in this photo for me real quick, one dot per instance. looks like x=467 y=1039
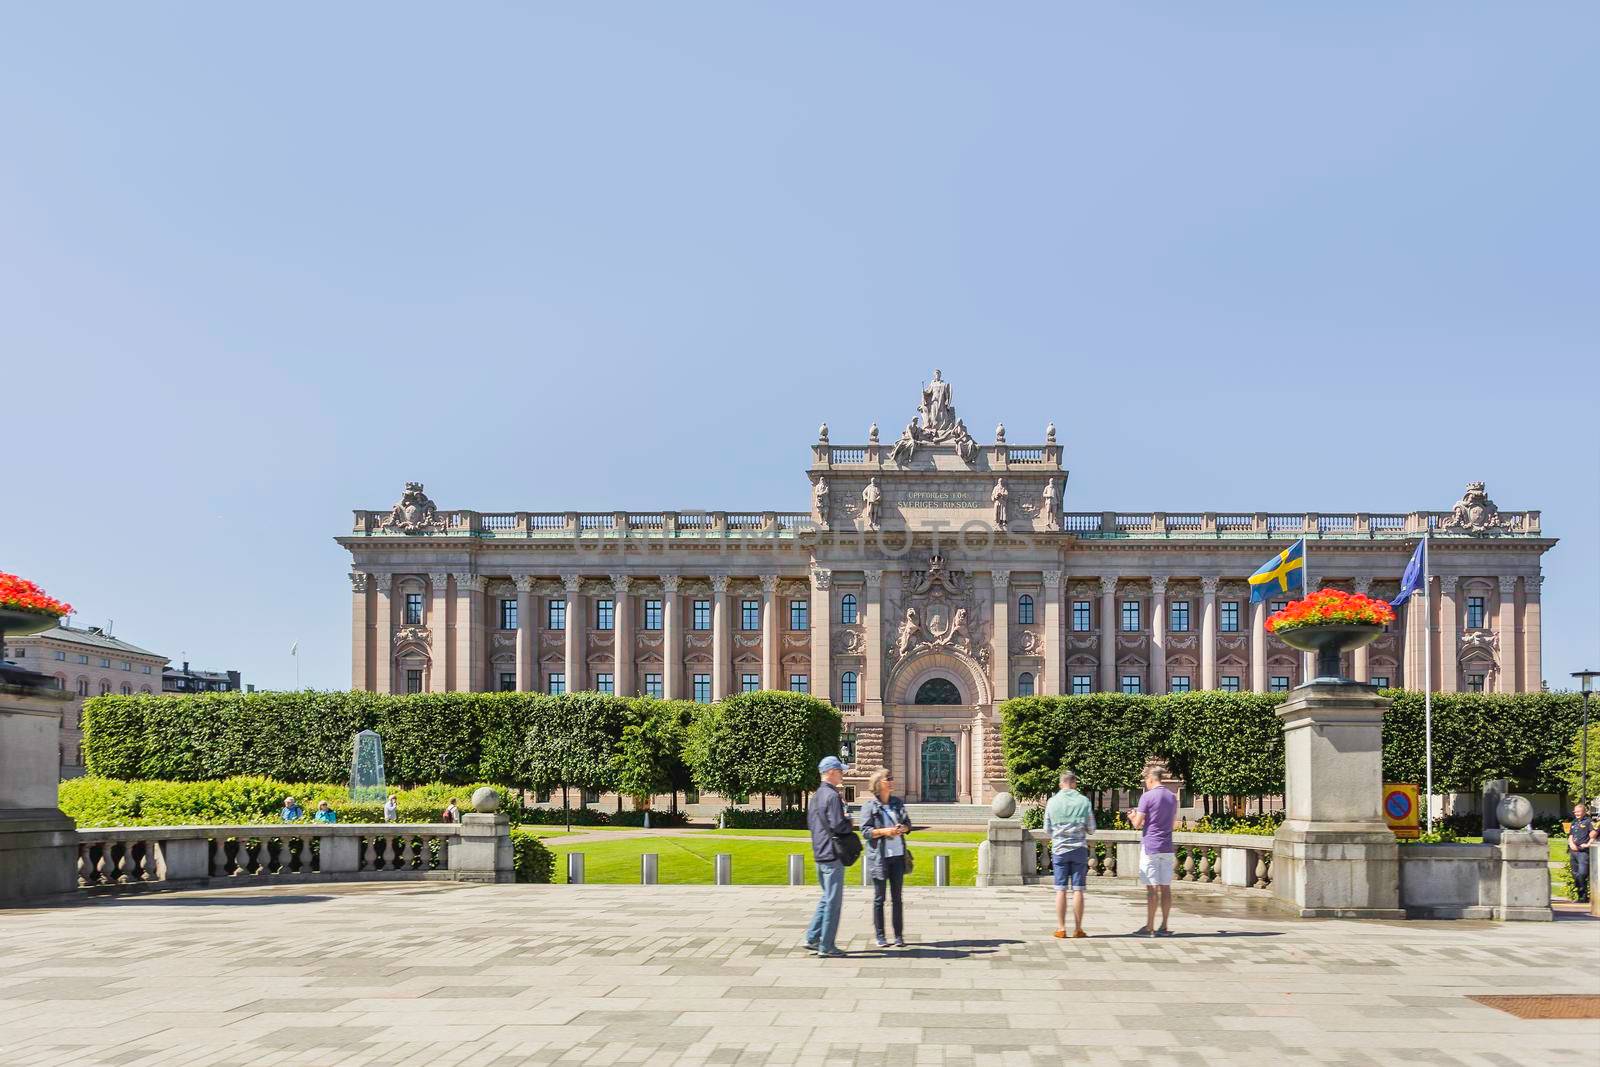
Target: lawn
x=971 y=837
x=691 y=861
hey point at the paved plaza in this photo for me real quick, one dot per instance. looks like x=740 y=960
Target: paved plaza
x=439 y=974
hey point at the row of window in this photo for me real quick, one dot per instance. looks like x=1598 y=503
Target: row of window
x=1229 y=615
x=105 y=687
x=61 y=657
x=605 y=682
x=605 y=614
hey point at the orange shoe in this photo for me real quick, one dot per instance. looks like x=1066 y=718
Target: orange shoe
x=1061 y=933
x=1079 y=933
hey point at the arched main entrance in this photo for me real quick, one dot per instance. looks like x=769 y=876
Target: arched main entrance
x=939 y=770
x=937 y=691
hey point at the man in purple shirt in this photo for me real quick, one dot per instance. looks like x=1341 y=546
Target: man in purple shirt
x=1157 y=808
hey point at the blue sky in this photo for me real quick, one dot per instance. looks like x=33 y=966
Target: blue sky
x=262 y=266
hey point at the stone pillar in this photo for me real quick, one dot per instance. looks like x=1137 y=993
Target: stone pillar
x=1108 y=635
x=1158 y=634
x=1447 y=678
x=822 y=636
x=1532 y=665
x=1054 y=661
x=1208 y=633
x=1334 y=856
x=1000 y=856
x=1000 y=676
x=439 y=635
x=527 y=643
x=482 y=851
x=1359 y=667
x=671 y=639
x=575 y=644
x=469 y=640
x=769 y=632
x=383 y=665
x=721 y=639
x=360 y=633
x=38 y=844
x=622 y=636
x=1258 y=647
x=1508 y=634
x=871 y=681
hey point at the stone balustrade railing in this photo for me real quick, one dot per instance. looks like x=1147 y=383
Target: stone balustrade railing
x=185 y=857
x=1240 y=860
x=1085 y=524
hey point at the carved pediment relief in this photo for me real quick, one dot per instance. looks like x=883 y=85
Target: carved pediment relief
x=796 y=641
x=1233 y=642
x=699 y=640
x=849 y=640
x=1183 y=641
x=741 y=641
x=650 y=640
x=504 y=641
x=418 y=635
x=1129 y=641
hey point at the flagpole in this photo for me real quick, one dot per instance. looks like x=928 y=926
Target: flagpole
x=1427 y=671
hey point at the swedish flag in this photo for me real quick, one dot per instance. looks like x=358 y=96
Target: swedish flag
x=1283 y=573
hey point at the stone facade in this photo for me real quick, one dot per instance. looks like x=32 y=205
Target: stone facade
x=932 y=578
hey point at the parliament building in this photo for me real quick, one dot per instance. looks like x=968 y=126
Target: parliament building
x=932 y=578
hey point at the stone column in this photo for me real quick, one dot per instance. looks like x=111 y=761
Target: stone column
x=1000 y=676
x=439 y=634
x=1449 y=639
x=622 y=636
x=1108 y=635
x=360 y=633
x=575 y=644
x=822 y=636
x=527 y=645
x=671 y=639
x=769 y=632
x=1359 y=668
x=469 y=639
x=1258 y=647
x=1532 y=664
x=965 y=789
x=721 y=639
x=871 y=681
x=1158 y=634
x=1334 y=856
x=1508 y=634
x=1054 y=661
x=383 y=666
x=1208 y=633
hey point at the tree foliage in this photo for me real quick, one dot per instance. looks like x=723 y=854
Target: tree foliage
x=766 y=742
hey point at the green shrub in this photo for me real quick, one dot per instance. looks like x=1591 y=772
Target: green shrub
x=97 y=802
x=532 y=861
x=750 y=819
x=659 y=820
x=1573 y=776
x=560 y=817
x=764 y=742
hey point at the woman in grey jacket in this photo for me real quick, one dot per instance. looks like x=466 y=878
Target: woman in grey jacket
x=884 y=825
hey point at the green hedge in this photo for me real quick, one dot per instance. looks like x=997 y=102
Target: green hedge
x=755 y=819
x=765 y=742
x=1232 y=744
x=109 y=802
x=531 y=860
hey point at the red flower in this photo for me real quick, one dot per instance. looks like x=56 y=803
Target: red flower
x=1332 y=607
x=19 y=594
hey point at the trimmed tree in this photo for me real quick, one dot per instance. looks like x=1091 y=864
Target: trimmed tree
x=650 y=757
x=766 y=742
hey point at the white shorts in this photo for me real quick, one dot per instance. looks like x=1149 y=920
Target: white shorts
x=1156 y=869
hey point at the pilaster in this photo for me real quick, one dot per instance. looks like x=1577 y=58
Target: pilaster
x=1208 y=633
x=1508 y=634
x=1449 y=638
x=383 y=668
x=721 y=639
x=1050 y=677
x=1158 y=634
x=1258 y=647
x=1413 y=666
x=1000 y=676
x=439 y=633
x=576 y=619
x=469 y=636
x=822 y=634
x=622 y=638
x=671 y=639
x=1360 y=669
x=1108 y=635
x=360 y=632
x=527 y=647
x=769 y=631
x=871 y=684
x=1532 y=664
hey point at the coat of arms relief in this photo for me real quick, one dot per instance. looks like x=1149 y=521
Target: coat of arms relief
x=936 y=609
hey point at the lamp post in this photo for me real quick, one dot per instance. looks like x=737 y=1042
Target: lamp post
x=1586 y=686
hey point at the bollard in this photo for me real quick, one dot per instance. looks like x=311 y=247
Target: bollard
x=797 y=869
x=574 y=868
x=649 y=868
x=941 y=870
x=724 y=868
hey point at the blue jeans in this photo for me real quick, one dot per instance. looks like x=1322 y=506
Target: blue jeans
x=824 y=926
x=1579 y=862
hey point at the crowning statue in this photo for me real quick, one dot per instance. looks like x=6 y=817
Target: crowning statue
x=1475 y=513
x=935 y=424
x=414 y=513
x=870 y=496
x=1048 y=515
x=906 y=445
x=819 y=501
x=937 y=410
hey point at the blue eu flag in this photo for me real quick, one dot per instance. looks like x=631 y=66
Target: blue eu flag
x=1411 y=581
x=1281 y=574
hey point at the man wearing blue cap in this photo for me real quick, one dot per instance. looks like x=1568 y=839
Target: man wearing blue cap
x=828 y=824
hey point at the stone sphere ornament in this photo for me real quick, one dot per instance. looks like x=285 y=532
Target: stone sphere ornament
x=1514 y=812
x=485 y=800
x=1004 y=805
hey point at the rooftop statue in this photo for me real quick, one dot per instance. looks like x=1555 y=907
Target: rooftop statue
x=414 y=513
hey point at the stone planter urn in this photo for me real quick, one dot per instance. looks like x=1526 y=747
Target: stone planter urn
x=1329 y=641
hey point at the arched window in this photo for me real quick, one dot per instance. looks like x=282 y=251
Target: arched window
x=938 y=691
x=83 y=687
x=1024 y=685
x=847 y=609
x=127 y=689
x=145 y=689
x=847 y=687
x=105 y=688
x=1024 y=610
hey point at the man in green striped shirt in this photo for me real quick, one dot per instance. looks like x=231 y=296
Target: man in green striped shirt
x=1069 y=820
